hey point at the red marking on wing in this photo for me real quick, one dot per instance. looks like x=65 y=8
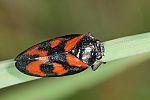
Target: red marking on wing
x=73 y=61
x=59 y=69
x=71 y=43
x=55 y=42
x=34 y=67
x=35 y=51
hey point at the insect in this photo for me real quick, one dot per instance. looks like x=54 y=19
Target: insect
x=65 y=55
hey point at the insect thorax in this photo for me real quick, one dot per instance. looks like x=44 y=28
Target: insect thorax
x=88 y=50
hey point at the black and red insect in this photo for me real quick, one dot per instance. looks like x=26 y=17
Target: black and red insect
x=65 y=55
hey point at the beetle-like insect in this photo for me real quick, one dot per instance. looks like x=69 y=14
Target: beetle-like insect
x=65 y=55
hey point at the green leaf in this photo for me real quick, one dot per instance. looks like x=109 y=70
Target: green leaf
x=114 y=49
x=126 y=46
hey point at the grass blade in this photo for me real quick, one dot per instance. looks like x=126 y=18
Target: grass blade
x=59 y=88
x=126 y=46
x=114 y=49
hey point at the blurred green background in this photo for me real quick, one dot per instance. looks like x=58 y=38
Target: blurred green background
x=26 y=22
